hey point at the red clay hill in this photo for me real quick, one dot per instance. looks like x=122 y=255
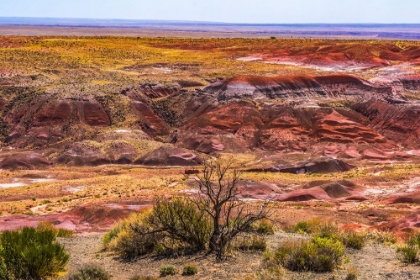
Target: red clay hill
x=335 y=116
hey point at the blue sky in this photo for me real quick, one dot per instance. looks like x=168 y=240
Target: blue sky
x=237 y=11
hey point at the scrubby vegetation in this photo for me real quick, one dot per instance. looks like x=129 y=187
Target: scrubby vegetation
x=314 y=226
x=252 y=242
x=166 y=270
x=354 y=240
x=321 y=251
x=319 y=254
x=143 y=278
x=263 y=226
x=410 y=251
x=59 y=232
x=90 y=273
x=229 y=215
x=383 y=237
x=31 y=253
x=211 y=220
x=171 y=226
x=189 y=269
x=328 y=229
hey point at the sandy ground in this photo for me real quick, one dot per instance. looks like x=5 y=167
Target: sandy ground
x=374 y=261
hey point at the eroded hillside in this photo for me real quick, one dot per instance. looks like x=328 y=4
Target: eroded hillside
x=306 y=120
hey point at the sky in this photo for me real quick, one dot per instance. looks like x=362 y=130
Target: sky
x=232 y=11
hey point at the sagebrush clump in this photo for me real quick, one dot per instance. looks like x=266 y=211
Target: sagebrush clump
x=252 y=242
x=170 y=226
x=319 y=254
x=263 y=226
x=166 y=270
x=31 y=253
x=354 y=240
x=189 y=269
x=409 y=252
x=90 y=273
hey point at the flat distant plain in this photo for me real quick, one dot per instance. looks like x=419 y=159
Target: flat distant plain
x=155 y=28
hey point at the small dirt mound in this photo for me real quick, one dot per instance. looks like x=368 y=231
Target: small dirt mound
x=405 y=224
x=356 y=198
x=305 y=195
x=89 y=218
x=170 y=156
x=409 y=198
x=24 y=161
x=336 y=190
x=327 y=166
x=83 y=154
x=249 y=189
x=99 y=216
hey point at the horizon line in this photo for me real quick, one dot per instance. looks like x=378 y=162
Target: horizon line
x=206 y=22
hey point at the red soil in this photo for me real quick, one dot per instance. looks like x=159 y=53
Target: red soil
x=83 y=219
x=392 y=121
x=406 y=224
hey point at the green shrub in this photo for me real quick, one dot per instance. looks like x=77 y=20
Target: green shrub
x=353 y=240
x=3 y=269
x=143 y=278
x=351 y=276
x=182 y=221
x=189 y=269
x=110 y=235
x=413 y=240
x=65 y=233
x=384 y=237
x=320 y=254
x=408 y=254
x=316 y=226
x=90 y=273
x=170 y=226
x=128 y=239
x=264 y=226
x=31 y=253
x=166 y=270
x=253 y=242
x=302 y=227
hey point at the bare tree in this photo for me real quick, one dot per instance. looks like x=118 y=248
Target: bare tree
x=218 y=187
